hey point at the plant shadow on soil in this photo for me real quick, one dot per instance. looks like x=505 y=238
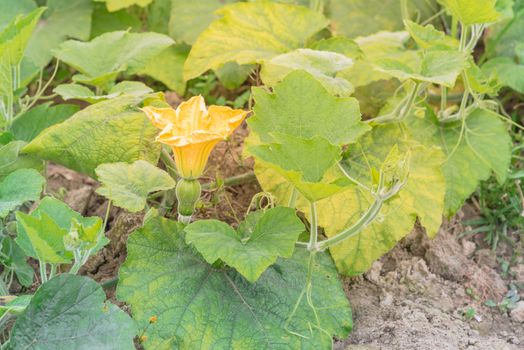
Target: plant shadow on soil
x=415 y=297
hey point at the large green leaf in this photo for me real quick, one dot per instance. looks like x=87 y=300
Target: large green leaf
x=168 y=67
x=100 y=60
x=30 y=124
x=107 y=132
x=363 y=17
x=201 y=307
x=128 y=185
x=252 y=33
x=439 y=67
x=70 y=312
x=40 y=234
x=427 y=37
x=254 y=246
x=189 y=19
x=504 y=36
x=115 y=5
x=482 y=147
x=11 y=159
x=301 y=106
x=323 y=65
x=472 y=11
x=19 y=187
x=63 y=19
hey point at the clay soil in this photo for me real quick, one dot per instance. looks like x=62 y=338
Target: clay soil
x=423 y=295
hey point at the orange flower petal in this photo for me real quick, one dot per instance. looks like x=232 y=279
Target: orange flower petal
x=160 y=117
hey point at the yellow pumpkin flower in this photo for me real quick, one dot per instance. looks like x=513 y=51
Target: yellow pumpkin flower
x=192 y=130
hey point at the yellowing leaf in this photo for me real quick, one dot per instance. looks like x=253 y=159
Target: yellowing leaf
x=472 y=11
x=252 y=33
x=115 y=5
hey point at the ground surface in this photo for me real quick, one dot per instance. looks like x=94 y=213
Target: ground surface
x=416 y=297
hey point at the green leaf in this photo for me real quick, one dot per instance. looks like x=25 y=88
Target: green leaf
x=41 y=233
x=45 y=238
x=339 y=44
x=158 y=16
x=483 y=148
x=252 y=33
x=256 y=245
x=128 y=185
x=438 y=67
x=323 y=65
x=80 y=92
x=19 y=187
x=30 y=124
x=115 y=5
x=303 y=162
x=9 y=9
x=199 y=306
x=17 y=261
x=107 y=132
x=427 y=37
x=70 y=312
x=63 y=19
x=364 y=17
x=100 y=60
x=232 y=75
x=472 y=11
x=189 y=19
x=422 y=197
x=507 y=71
x=168 y=66
x=103 y=21
x=13 y=42
x=309 y=111
x=15 y=305
x=11 y=159
x=503 y=37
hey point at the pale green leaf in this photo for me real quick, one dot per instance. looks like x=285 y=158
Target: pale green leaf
x=301 y=106
x=353 y=18
x=128 y=185
x=439 y=67
x=168 y=67
x=232 y=75
x=71 y=312
x=323 y=65
x=45 y=238
x=29 y=125
x=63 y=19
x=9 y=9
x=46 y=226
x=201 y=307
x=339 y=44
x=256 y=245
x=83 y=93
x=19 y=187
x=15 y=305
x=100 y=60
x=483 y=148
x=189 y=19
x=107 y=132
x=115 y=5
x=427 y=37
x=472 y=11
x=422 y=197
x=252 y=33
x=158 y=14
